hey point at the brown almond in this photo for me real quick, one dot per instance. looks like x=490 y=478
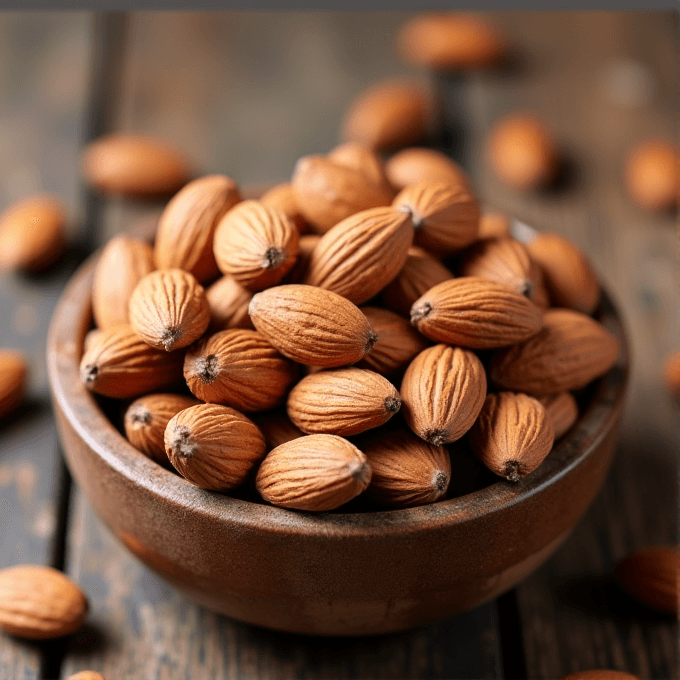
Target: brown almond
x=123 y=263
x=13 y=373
x=86 y=675
x=363 y=159
x=671 y=374
x=652 y=174
x=562 y=410
x=238 y=368
x=305 y=247
x=186 y=228
x=651 y=575
x=512 y=435
x=569 y=277
x=228 y=301
x=277 y=429
x=32 y=234
x=90 y=338
x=406 y=470
x=344 y=401
x=40 y=603
x=256 y=244
x=493 y=224
x=397 y=345
x=416 y=164
x=442 y=393
x=600 y=674
x=121 y=365
x=566 y=354
x=146 y=418
x=213 y=446
x=445 y=216
x=476 y=313
x=134 y=165
x=318 y=472
x=295 y=320
x=360 y=256
x=282 y=197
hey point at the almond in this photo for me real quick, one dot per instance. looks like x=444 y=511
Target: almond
x=228 y=301
x=134 y=165
x=169 y=309
x=493 y=224
x=344 y=401
x=360 y=256
x=319 y=472
x=13 y=373
x=277 y=429
x=445 y=216
x=32 y=234
x=569 y=277
x=184 y=238
x=256 y=244
x=86 y=675
x=238 y=368
x=146 y=419
x=568 y=352
x=40 y=603
x=651 y=575
x=406 y=470
x=443 y=391
x=476 y=313
x=282 y=197
x=562 y=410
x=296 y=320
x=420 y=272
x=600 y=674
x=652 y=174
x=123 y=263
x=363 y=159
x=416 y=164
x=305 y=248
x=512 y=435
x=397 y=345
x=121 y=365
x=671 y=374
x=213 y=446
x=90 y=338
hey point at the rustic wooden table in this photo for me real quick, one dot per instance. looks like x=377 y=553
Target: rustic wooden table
x=247 y=94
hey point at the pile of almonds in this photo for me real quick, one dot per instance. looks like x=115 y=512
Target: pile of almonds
x=336 y=336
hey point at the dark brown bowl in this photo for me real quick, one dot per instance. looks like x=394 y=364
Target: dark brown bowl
x=327 y=574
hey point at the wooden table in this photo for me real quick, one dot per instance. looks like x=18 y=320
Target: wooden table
x=247 y=94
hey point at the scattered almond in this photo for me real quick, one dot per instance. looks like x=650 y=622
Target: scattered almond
x=416 y=164
x=228 y=301
x=13 y=373
x=562 y=410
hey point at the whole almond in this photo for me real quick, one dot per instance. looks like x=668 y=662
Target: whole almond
x=305 y=248
x=282 y=197
x=397 y=345
x=213 y=446
x=671 y=374
x=652 y=174
x=146 y=418
x=134 y=165
x=256 y=244
x=363 y=159
x=406 y=470
x=562 y=410
x=493 y=224
x=90 y=338
x=296 y=320
x=186 y=228
x=123 y=263
x=32 y=234
x=420 y=272
x=13 y=373
x=476 y=313
x=168 y=309
x=651 y=575
x=569 y=277
x=318 y=472
x=119 y=364
x=238 y=368
x=344 y=401
x=600 y=674
x=228 y=301
x=276 y=428
x=40 y=603
x=416 y=164
x=86 y=675
x=442 y=393
x=566 y=354
x=359 y=256
x=445 y=216
x=512 y=435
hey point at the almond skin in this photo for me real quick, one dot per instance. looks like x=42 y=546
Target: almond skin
x=86 y=675
x=318 y=472
x=567 y=353
x=416 y=164
x=90 y=338
x=213 y=446
x=512 y=435
x=13 y=374
x=445 y=216
x=406 y=470
x=124 y=262
x=345 y=401
x=186 y=228
x=493 y=224
x=443 y=391
x=120 y=365
x=476 y=313
x=277 y=429
x=282 y=197
x=600 y=674
x=397 y=345
x=146 y=418
x=562 y=410
x=40 y=603
x=569 y=277
x=168 y=309
x=305 y=248
x=652 y=175
x=651 y=575
x=360 y=256
x=238 y=368
x=256 y=244
x=671 y=374
x=363 y=159
x=228 y=301
x=295 y=320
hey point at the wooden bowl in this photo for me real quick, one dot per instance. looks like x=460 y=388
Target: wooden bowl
x=335 y=573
